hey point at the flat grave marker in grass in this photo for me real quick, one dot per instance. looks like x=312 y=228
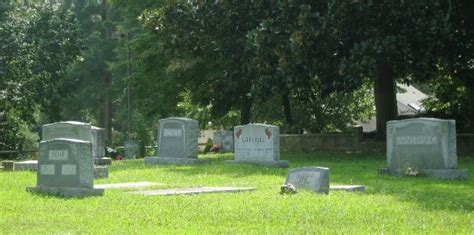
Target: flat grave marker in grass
x=423 y=146
x=179 y=191
x=177 y=142
x=65 y=168
x=313 y=178
x=258 y=144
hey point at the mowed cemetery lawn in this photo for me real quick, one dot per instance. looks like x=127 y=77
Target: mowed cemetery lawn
x=389 y=205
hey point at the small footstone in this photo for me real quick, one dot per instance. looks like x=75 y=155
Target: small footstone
x=30 y=165
x=350 y=188
x=177 y=191
x=126 y=185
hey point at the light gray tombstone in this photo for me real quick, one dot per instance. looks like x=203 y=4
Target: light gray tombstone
x=177 y=142
x=132 y=149
x=312 y=178
x=98 y=146
x=425 y=146
x=68 y=130
x=225 y=139
x=65 y=168
x=258 y=144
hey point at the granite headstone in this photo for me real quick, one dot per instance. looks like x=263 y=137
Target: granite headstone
x=425 y=146
x=258 y=144
x=65 y=168
x=132 y=149
x=98 y=146
x=177 y=142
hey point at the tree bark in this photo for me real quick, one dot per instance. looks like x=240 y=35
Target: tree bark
x=285 y=99
x=385 y=97
x=107 y=78
x=245 y=110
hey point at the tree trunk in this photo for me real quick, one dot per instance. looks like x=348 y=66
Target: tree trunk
x=107 y=78
x=385 y=97
x=245 y=110
x=285 y=99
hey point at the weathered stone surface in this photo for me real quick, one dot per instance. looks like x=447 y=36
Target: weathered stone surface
x=177 y=142
x=424 y=145
x=30 y=165
x=349 y=188
x=132 y=149
x=8 y=165
x=166 y=192
x=98 y=142
x=313 y=178
x=65 y=168
x=448 y=174
x=257 y=144
x=173 y=160
x=67 y=130
x=66 y=191
x=225 y=139
x=177 y=137
x=126 y=185
x=65 y=163
x=101 y=172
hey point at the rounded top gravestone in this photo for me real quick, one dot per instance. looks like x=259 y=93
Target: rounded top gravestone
x=178 y=137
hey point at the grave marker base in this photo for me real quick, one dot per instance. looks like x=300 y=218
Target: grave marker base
x=448 y=174
x=101 y=172
x=280 y=164
x=175 y=160
x=103 y=161
x=66 y=191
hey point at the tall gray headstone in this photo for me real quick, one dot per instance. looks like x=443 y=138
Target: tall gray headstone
x=65 y=168
x=257 y=144
x=98 y=146
x=225 y=139
x=177 y=142
x=312 y=178
x=423 y=145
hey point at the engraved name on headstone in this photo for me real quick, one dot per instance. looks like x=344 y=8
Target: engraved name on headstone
x=424 y=145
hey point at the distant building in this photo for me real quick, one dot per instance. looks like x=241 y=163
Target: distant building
x=408 y=103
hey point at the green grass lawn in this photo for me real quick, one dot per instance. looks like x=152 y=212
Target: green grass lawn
x=389 y=205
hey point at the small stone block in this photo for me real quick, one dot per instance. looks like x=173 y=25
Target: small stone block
x=174 y=160
x=103 y=161
x=8 y=165
x=279 y=163
x=66 y=191
x=166 y=192
x=101 y=172
x=30 y=165
x=312 y=178
x=349 y=188
x=126 y=185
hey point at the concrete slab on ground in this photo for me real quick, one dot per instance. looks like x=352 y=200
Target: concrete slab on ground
x=126 y=185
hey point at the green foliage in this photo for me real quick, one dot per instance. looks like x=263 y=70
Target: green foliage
x=390 y=204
